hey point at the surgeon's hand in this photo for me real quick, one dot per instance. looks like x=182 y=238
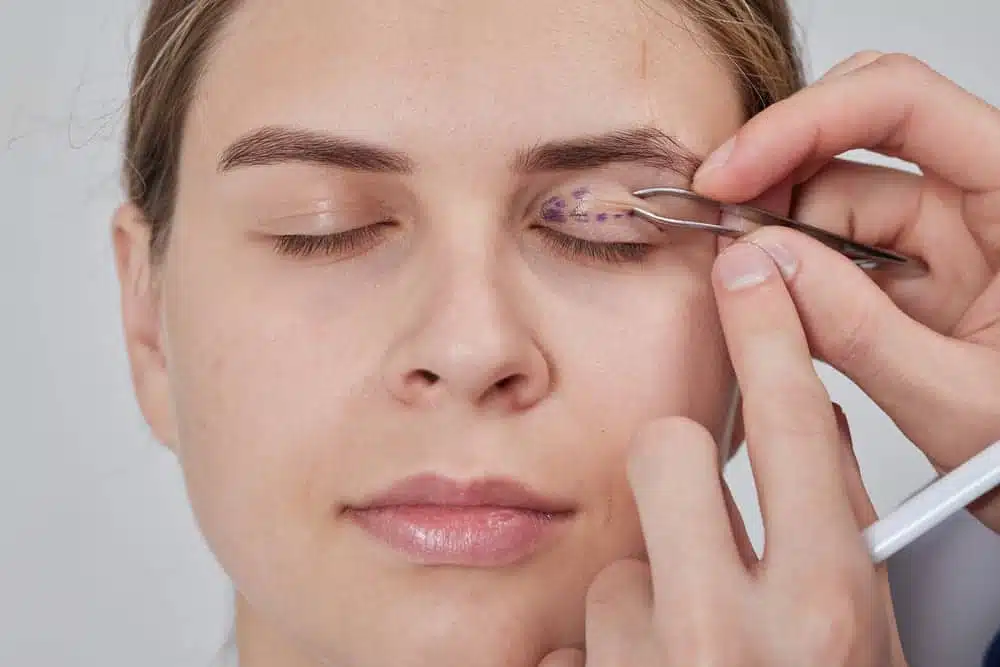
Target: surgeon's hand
x=704 y=598
x=927 y=350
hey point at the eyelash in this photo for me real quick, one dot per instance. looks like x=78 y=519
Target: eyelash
x=609 y=253
x=355 y=241
x=342 y=243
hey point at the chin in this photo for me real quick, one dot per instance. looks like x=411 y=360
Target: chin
x=494 y=624
x=442 y=638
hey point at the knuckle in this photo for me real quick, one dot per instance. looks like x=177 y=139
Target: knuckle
x=829 y=629
x=856 y=343
x=801 y=402
x=696 y=642
x=864 y=57
x=903 y=61
x=834 y=615
x=867 y=55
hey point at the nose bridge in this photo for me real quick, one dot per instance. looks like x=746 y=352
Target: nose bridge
x=467 y=338
x=473 y=333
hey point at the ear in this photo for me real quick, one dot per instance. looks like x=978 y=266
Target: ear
x=141 y=310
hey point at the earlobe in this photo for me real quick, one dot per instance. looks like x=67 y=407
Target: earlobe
x=141 y=320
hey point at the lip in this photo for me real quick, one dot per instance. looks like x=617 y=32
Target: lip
x=435 y=520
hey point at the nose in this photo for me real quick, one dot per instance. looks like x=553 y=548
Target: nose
x=466 y=343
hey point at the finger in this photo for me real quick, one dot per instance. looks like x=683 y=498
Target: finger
x=863 y=59
x=748 y=555
x=792 y=437
x=906 y=212
x=674 y=472
x=895 y=105
x=566 y=657
x=857 y=61
x=861 y=504
x=619 y=613
x=939 y=391
x=865 y=515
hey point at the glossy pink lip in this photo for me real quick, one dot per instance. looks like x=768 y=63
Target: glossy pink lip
x=438 y=521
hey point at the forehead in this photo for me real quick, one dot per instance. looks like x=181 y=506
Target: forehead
x=439 y=78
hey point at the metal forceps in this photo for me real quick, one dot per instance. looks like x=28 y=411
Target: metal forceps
x=736 y=220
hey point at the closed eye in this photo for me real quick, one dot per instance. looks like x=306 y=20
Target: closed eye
x=340 y=245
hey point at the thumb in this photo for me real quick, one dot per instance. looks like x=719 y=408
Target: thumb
x=913 y=373
x=566 y=657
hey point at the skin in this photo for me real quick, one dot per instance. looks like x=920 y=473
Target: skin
x=290 y=386
x=445 y=342
x=921 y=348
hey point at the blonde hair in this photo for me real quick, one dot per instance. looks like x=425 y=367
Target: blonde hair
x=755 y=36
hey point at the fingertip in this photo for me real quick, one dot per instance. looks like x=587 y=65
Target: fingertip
x=567 y=657
x=714 y=167
x=652 y=441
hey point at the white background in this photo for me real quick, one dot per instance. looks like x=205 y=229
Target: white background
x=100 y=561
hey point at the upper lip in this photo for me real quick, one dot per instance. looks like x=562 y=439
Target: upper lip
x=433 y=489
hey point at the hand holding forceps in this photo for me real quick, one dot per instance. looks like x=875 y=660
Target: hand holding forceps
x=736 y=220
x=935 y=502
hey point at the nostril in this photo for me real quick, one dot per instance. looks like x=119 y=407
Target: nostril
x=506 y=382
x=427 y=376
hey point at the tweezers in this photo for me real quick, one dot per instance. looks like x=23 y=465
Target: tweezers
x=865 y=256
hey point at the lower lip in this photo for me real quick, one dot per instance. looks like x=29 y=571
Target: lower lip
x=465 y=536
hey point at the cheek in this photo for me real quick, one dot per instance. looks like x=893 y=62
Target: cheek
x=259 y=363
x=660 y=354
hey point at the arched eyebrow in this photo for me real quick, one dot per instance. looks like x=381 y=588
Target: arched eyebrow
x=645 y=145
x=276 y=145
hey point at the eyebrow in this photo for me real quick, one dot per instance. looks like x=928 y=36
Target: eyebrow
x=275 y=145
x=645 y=145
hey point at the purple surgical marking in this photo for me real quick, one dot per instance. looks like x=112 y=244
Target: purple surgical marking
x=580 y=193
x=619 y=216
x=552 y=210
x=602 y=217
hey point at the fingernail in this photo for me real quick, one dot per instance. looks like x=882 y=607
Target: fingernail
x=781 y=255
x=744 y=265
x=718 y=158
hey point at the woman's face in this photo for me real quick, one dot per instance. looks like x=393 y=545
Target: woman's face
x=464 y=324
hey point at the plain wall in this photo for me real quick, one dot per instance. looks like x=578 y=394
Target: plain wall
x=100 y=560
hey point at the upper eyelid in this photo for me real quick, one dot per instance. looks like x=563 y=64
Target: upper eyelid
x=316 y=223
x=333 y=215
x=357 y=209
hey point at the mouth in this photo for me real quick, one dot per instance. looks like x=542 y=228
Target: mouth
x=434 y=520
